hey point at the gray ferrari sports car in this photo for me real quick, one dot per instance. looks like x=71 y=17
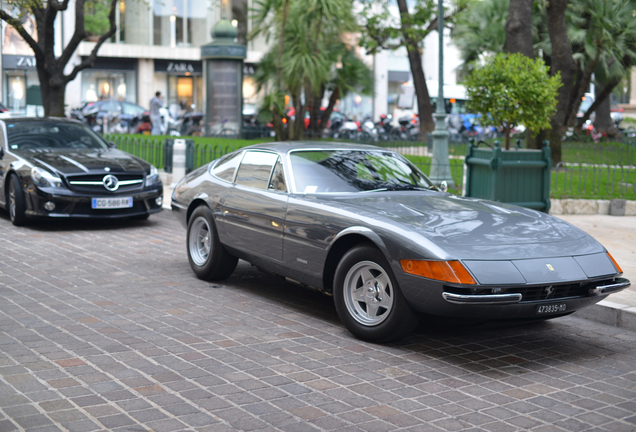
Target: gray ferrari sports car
x=365 y=225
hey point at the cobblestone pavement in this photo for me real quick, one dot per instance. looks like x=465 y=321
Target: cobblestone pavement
x=104 y=327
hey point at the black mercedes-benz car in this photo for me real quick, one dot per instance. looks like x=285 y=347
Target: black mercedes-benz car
x=367 y=226
x=60 y=168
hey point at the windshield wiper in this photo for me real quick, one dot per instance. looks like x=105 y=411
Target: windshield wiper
x=398 y=187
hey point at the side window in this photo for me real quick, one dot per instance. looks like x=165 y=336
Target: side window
x=256 y=169
x=225 y=168
x=277 y=182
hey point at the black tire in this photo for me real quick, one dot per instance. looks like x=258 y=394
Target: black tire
x=207 y=256
x=391 y=318
x=16 y=203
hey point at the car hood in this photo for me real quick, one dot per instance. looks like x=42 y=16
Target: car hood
x=469 y=227
x=83 y=161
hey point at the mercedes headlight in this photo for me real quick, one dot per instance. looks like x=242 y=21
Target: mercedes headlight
x=153 y=177
x=43 y=178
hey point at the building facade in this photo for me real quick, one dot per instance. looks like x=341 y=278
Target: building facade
x=156 y=48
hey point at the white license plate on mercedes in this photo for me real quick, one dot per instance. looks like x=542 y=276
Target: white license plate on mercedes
x=112 y=203
x=551 y=308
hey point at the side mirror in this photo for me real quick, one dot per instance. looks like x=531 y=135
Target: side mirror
x=444 y=186
x=112 y=144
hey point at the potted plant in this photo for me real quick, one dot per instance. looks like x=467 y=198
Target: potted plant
x=510 y=90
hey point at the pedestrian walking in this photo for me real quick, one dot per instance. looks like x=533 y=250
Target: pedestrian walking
x=155 y=116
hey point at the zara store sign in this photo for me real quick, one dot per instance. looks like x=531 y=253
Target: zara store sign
x=176 y=67
x=18 y=62
x=179 y=67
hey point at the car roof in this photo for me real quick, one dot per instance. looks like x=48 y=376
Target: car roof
x=289 y=146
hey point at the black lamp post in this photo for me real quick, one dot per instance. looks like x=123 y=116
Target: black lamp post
x=440 y=166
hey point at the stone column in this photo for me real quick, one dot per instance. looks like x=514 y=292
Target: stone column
x=223 y=68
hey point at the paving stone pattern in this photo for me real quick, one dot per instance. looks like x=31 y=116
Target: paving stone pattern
x=104 y=327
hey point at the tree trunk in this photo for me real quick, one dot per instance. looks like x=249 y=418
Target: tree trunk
x=603 y=121
x=603 y=93
x=52 y=90
x=281 y=41
x=279 y=126
x=563 y=62
x=326 y=115
x=424 y=107
x=315 y=114
x=519 y=40
x=579 y=92
x=519 y=28
x=297 y=126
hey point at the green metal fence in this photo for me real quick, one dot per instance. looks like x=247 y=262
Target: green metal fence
x=147 y=148
x=579 y=180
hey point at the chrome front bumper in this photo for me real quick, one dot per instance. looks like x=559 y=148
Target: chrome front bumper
x=502 y=299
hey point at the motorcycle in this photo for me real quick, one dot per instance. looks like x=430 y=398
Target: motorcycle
x=368 y=131
x=386 y=130
x=343 y=128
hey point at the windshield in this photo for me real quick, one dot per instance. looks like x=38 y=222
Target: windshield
x=33 y=135
x=332 y=171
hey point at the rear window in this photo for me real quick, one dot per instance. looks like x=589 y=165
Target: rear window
x=226 y=166
x=256 y=169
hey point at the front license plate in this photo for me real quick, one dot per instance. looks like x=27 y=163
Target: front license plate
x=551 y=308
x=111 y=203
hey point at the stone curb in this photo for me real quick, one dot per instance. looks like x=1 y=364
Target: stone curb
x=587 y=207
x=610 y=313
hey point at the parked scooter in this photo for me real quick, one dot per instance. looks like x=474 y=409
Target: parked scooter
x=169 y=125
x=386 y=130
x=343 y=128
x=368 y=131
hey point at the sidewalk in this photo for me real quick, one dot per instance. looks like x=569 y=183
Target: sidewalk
x=617 y=234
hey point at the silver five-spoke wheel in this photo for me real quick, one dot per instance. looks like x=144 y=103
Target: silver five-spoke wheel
x=368 y=298
x=368 y=293
x=200 y=241
x=207 y=256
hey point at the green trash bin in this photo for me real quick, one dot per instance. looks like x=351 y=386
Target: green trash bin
x=517 y=176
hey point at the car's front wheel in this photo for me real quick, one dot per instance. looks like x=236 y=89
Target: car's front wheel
x=17 y=202
x=208 y=258
x=368 y=299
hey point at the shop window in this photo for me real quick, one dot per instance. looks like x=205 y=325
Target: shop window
x=17 y=83
x=180 y=22
x=107 y=85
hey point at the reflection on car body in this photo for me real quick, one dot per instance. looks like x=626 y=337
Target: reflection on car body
x=365 y=224
x=58 y=168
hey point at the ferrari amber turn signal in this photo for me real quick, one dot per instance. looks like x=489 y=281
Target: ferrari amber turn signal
x=615 y=263
x=447 y=271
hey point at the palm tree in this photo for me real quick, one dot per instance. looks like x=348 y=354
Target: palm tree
x=303 y=61
x=601 y=37
x=481 y=31
x=604 y=44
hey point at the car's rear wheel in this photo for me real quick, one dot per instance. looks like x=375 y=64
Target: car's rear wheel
x=208 y=258
x=17 y=202
x=368 y=299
